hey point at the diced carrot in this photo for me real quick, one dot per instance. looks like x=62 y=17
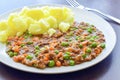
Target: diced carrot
x=16 y=48
x=47 y=55
x=70 y=49
x=51 y=48
x=59 y=54
x=19 y=42
x=46 y=58
x=35 y=39
x=24 y=61
x=25 y=54
x=85 y=34
x=20 y=58
x=84 y=43
x=58 y=63
x=97 y=51
x=16 y=38
x=15 y=58
x=84 y=49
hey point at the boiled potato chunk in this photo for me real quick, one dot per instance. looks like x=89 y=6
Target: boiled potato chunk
x=69 y=19
x=46 y=11
x=10 y=20
x=57 y=13
x=68 y=16
x=64 y=26
x=65 y=12
x=11 y=32
x=18 y=24
x=51 y=31
x=3 y=36
x=36 y=13
x=52 y=22
x=29 y=21
x=3 y=25
x=35 y=29
x=24 y=10
x=44 y=25
x=39 y=27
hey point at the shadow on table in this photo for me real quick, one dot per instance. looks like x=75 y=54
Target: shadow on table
x=92 y=73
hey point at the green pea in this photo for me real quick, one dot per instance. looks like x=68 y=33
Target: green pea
x=102 y=45
x=30 y=57
x=71 y=62
x=37 y=53
x=29 y=43
x=51 y=63
x=88 y=37
x=70 y=33
x=65 y=44
x=37 y=50
x=93 y=45
x=77 y=37
x=80 y=46
x=26 y=37
x=11 y=54
x=89 y=30
x=15 y=53
x=84 y=55
x=88 y=50
x=70 y=39
x=27 y=34
x=56 y=51
x=92 y=39
x=82 y=39
x=66 y=56
x=73 y=28
x=22 y=45
x=37 y=47
x=30 y=35
x=67 y=53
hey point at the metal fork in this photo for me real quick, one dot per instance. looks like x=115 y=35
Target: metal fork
x=74 y=3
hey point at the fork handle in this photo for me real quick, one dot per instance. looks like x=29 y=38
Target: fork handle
x=106 y=15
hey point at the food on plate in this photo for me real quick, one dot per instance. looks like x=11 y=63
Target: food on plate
x=67 y=46
x=36 y=21
x=50 y=37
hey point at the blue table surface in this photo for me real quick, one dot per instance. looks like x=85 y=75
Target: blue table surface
x=108 y=69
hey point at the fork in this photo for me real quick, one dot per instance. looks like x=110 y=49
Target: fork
x=74 y=3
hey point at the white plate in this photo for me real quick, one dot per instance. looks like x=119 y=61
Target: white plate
x=80 y=15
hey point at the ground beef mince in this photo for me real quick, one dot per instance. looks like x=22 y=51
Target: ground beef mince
x=81 y=43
